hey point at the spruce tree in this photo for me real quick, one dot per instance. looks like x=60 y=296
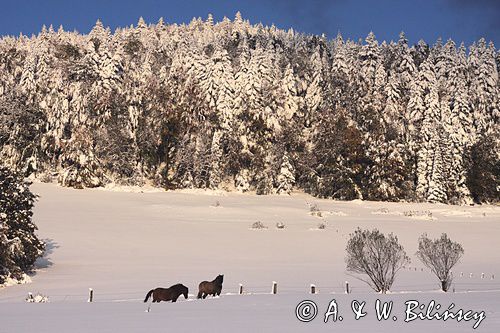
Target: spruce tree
x=19 y=245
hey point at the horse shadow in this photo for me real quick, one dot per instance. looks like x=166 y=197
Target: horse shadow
x=44 y=261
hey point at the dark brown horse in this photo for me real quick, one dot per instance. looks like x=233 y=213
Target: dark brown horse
x=210 y=288
x=167 y=294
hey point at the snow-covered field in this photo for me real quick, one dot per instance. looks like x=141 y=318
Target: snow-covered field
x=124 y=243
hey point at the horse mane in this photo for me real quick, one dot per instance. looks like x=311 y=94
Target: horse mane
x=219 y=279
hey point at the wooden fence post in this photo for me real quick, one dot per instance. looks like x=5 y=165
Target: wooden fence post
x=275 y=288
x=347 y=291
x=313 y=289
x=91 y=295
x=240 y=291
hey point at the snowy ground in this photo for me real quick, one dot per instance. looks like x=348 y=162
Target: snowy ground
x=124 y=243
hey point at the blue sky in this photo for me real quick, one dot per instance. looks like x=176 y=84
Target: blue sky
x=462 y=20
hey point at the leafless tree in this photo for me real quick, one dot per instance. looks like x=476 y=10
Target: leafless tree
x=440 y=255
x=376 y=255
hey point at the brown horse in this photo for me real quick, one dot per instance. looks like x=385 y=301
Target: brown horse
x=167 y=294
x=210 y=288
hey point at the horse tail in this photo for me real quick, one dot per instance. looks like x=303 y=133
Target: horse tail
x=148 y=295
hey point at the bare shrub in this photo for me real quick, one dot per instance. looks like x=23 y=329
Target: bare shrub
x=38 y=298
x=315 y=210
x=440 y=255
x=280 y=225
x=258 y=225
x=376 y=255
x=382 y=210
x=321 y=226
x=418 y=213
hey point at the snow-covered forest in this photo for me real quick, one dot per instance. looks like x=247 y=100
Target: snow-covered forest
x=234 y=105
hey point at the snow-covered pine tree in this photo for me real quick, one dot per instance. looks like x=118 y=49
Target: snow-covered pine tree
x=483 y=169
x=19 y=245
x=458 y=125
x=286 y=177
x=430 y=160
x=21 y=129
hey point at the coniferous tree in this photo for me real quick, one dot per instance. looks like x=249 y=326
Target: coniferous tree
x=483 y=172
x=19 y=245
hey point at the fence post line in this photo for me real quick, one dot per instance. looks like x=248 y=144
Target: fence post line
x=313 y=289
x=91 y=295
x=275 y=288
x=240 y=291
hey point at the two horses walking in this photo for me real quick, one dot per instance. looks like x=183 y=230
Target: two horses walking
x=172 y=294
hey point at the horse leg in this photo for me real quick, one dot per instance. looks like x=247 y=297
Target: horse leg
x=205 y=296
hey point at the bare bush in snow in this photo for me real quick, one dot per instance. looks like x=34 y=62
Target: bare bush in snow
x=280 y=225
x=258 y=225
x=377 y=256
x=440 y=255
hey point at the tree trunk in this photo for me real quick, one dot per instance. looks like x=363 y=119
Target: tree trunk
x=444 y=285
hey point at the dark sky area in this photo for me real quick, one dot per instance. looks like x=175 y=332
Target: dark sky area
x=461 y=20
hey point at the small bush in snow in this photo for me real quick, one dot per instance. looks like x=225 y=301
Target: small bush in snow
x=321 y=226
x=381 y=211
x=38 y=298
x=376 y=255
x=280 y=225
x=440 y=255
x=418 y=213
x=315 y=210
x=217 y=203
x=258 y=225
